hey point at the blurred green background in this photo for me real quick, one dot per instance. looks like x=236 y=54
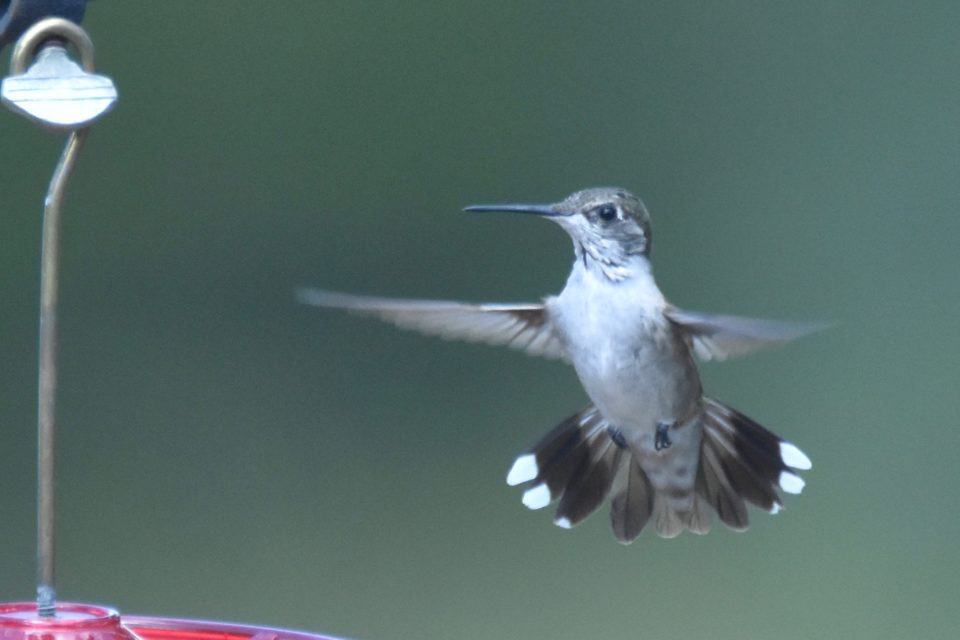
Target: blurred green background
x=227 y=454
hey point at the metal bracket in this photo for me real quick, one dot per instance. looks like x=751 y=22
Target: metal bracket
x=55 y=91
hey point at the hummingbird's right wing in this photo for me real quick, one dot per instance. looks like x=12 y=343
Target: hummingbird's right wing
x=519 y=326
x=718 y=337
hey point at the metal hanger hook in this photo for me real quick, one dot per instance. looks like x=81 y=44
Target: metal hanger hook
x=54 y=91
x=42 y=31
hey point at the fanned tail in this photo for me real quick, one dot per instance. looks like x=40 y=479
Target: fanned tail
x=579 y=463
x=575 y=463
x=741 y=461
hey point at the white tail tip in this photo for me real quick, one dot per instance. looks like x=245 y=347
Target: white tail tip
x=536 y=498
x=791 y=483
x=775 y=509
x=524 y=469
x=793 y=457
x=563 y=523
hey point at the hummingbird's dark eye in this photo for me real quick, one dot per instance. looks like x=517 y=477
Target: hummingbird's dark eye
x=607 y=212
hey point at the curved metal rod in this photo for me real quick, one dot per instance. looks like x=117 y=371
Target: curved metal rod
x=46 y=410
x=45 y=29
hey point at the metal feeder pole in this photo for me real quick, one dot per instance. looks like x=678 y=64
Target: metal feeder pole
x=58 y=94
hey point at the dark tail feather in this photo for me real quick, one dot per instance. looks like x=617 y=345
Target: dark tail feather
x=574 y=463
x=714 y=485
x=742 y=461
x=589 y=486
x=631 y=508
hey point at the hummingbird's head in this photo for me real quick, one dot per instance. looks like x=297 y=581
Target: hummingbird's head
x=609 y=226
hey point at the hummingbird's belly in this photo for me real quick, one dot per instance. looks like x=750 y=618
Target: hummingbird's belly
x=638 y=388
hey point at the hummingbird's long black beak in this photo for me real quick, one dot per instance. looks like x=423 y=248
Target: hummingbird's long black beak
x=547 y=210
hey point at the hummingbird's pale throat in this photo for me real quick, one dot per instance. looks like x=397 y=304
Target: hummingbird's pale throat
x=650 y=437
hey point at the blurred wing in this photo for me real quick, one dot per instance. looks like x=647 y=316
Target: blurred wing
x=715 y=337
x=519 y=326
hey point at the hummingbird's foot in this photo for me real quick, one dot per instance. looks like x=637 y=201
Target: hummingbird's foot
x=617 y=436
x=662 y=440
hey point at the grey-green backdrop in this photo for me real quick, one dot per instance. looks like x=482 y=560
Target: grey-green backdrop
x=227 y=454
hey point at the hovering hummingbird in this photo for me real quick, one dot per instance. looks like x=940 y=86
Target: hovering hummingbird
x=651 y=438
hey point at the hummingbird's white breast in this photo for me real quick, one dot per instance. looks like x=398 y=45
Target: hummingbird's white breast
x=629 y=357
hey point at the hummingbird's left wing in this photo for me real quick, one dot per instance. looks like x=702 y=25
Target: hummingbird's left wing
x=717 y=337
x=519 y=326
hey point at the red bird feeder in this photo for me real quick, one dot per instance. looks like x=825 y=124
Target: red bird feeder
x=21 y=621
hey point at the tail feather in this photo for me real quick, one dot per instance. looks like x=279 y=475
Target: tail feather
x=756 y=447
x=700 y=516
x=632 y=506
x=670 y=521
x=565 y=436
x=742 y=460
x=567 y=457
x=575 y=463
x=719 y=491
x=742 y=473
x=590 y=484
x=563 y=459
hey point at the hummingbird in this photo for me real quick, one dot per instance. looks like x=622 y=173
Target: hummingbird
x=668 y=454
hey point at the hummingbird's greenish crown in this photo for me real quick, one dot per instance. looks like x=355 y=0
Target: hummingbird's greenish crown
x=605 y=204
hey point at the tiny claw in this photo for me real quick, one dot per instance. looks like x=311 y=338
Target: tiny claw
x=662 y=440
